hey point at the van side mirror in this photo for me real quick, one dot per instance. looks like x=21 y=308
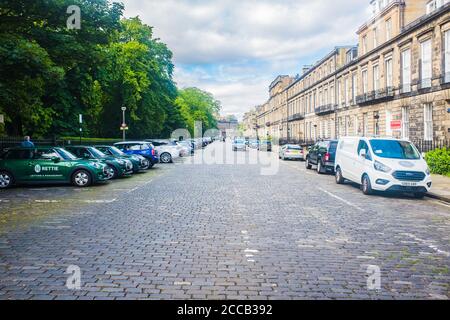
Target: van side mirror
x=362 y=153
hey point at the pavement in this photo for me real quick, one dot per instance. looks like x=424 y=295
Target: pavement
x=440 y=188
x=199 y=230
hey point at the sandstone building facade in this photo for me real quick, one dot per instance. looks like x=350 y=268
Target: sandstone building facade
x=395 y=82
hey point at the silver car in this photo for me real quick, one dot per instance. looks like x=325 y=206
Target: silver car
x=291 y=151
x=239 y=144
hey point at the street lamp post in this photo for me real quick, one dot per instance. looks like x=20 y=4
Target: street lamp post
x=124 y=125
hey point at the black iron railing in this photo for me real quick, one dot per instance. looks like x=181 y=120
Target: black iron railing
x=325 y=109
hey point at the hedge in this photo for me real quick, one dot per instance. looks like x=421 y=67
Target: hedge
x=439 y=161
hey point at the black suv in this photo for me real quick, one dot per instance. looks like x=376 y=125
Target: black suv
x=322 y=154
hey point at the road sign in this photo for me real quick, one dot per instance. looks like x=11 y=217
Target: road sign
x=81 y=118
x=123 y=128
x=124 y=109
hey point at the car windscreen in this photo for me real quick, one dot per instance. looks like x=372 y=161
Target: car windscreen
x=239 y=141
x=293 y=148
x=66 y=155
x=394 y=149
x=97 y=153
x=115 y=151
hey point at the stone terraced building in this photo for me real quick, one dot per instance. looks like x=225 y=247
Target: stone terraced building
x=394 y=82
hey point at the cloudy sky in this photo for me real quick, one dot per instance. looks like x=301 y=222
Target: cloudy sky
x=235 y=48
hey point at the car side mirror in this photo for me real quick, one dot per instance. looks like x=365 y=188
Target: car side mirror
x=56 y=159
x=86 y=156
x=362 y=153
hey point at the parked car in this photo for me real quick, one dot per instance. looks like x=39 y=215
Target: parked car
x=253 y=143
x=322 y=155
x=382 y=164
x=48 y=165
x=143 y=148
x=167 y=150
x=139 y=162
x=118 y=167
x=265 y=145
x=239 y=144
x=291 y=151
x=187 y=146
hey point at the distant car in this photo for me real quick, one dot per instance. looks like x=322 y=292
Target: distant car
x=187 y=146
x=253 y=143
x=143 y=148
x=48 y=165
x=291 y=151
x=265 y=145
x=239 y=144
x=382 y=164
x=118 y=167
x=167 y=150
x=322 y=155
x=139 y=162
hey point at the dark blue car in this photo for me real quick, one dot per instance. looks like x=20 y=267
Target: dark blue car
x=142 y=148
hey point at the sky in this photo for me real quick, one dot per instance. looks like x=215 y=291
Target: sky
x=236 y=48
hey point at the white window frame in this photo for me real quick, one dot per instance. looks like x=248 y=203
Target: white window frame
x=388 y=29
x=405 y=123
x=389 y=72
x=447 y=56
x=428 y=122
x=426 y=63
x=376 y=77
x=354 y=87
x=365 y=81
x=406 y=70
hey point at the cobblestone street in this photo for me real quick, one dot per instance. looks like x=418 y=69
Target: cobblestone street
x=222 y=231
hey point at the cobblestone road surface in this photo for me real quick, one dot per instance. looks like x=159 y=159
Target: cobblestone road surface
x=192 y=231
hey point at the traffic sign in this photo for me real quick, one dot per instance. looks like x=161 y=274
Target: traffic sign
x=80 y=118
x=124 y=109
x=123 y=128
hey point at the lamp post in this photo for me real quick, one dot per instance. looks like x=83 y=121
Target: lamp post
x=124 y=125
x=80 y=120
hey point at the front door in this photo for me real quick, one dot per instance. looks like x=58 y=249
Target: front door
x=43 y=167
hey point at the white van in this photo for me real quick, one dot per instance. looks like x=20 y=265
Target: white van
x=383 y=164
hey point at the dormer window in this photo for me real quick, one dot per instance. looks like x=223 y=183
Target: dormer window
x=435 y=4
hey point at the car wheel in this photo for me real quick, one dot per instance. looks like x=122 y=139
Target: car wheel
x=338 y=176
x=319 y=167
x=6 y=180
x=81 y=178
x=111 y=172
x=165 y=157
x=419 y=195
x=307 y=164
x=366 y=186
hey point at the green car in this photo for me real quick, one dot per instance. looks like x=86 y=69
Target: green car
x=140 y=163
x=48 y=165
x=117 y=167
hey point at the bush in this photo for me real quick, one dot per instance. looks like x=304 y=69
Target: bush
x=439 y=161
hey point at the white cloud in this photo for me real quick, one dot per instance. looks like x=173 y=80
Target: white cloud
x=234 y=49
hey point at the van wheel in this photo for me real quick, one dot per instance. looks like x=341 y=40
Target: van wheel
x=81 y=178
x=366 y=186
x=6 y=180
x=307 y=164
x=339 y=178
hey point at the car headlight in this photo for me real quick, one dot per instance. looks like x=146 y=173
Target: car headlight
x=381 y=167
x=96 y=165
x=428 y=171
x=121 y=162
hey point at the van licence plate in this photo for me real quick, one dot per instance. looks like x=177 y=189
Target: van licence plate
x=409 y=184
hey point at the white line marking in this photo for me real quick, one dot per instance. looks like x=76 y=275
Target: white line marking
x=339 y=198
x=47 y=201
x=428 y=243
x=99 y=201
x=4 y=200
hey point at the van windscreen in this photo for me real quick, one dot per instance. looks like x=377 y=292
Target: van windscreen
x=394 y=149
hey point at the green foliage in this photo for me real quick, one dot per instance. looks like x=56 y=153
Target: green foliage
x=50 y=74
x=197 y=105
x=439 y=161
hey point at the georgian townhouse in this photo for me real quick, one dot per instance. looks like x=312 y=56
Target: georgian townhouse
x=395 y=82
